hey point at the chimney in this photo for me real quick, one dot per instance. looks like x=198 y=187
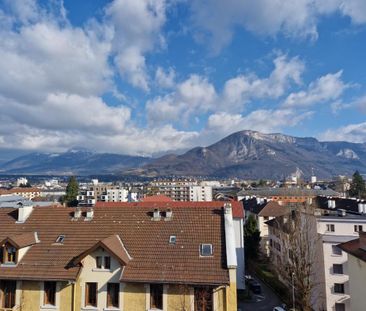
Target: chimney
x=168 y=214
x=77 y=213
x=360 y=208
x=156 y=214
x=24 y=212
x=89 y=214
x=230 y=237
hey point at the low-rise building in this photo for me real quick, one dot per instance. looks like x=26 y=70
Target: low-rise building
x=28 y=193
x=141 y=256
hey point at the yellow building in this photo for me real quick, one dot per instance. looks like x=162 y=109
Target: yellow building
x=138 y=256
x=356 y=250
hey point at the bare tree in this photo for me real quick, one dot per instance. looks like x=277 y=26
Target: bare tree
x=298 y=262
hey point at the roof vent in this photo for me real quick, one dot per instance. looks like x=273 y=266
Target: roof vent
x=172 y=239
x=60 y=239
x=77 y=213
x=89 y=214
x=168 y=214
x=156 y=214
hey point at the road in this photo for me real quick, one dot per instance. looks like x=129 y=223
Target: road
x=265 y=302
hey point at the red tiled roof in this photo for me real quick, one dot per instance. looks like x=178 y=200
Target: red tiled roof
x=154 y=259
x=238 y=211
x=356 y=247
x=22 y=240
x=157 y=198
x=273 y=209
x=19 y=190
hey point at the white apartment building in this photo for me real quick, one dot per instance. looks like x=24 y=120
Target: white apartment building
x=335 y=229
x=332 y=291
x=200 y=193
x=116 y=195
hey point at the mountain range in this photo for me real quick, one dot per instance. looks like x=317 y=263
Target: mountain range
x=245 y=154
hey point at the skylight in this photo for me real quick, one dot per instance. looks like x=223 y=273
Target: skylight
x=172 y=239
x=206 y=250
x=60 y=239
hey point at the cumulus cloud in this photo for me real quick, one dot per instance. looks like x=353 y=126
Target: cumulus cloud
x=165 y=79
x=262 y=120
x=137 y=26
x=291 y=18
x=325 y=88
x=192 y=96
x=352 y=132
x=243 y=88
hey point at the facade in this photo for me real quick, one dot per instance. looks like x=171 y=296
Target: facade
x=116 y=195
x=356 y=251
x=27 y=193
x=332 y=227
x=200 y=193
x=139 y=256
x=263 y=211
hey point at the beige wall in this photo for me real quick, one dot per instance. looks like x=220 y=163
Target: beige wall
x=357 y=274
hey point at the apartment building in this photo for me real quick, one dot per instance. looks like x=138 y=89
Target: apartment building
x=140 y=257
x=263 y=211
x=200 y=193
x=356 y=263
x=332 y=226
x=27 y=193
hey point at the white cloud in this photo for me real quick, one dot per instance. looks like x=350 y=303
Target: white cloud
x=137 y=26
x=325 y=88
x=262 y=120
x=192 y=96
x=243 y=88
x=165 y=79
x=352 y=132
x=269 y=17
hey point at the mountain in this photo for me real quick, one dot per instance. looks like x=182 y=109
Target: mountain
x=80 y=162
x=245 y=154
x=253 y=155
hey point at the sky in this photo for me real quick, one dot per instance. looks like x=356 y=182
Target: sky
x=146 y=77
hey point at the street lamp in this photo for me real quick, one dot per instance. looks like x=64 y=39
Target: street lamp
x=293 y=290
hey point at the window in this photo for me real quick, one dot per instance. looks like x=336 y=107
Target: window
x=337 y=269
x=113 y=295
x=107 y=262
x=91 y=294
x=9 y=254
x=206 y=250
x=336 y=250
x=103 y=262
x=330 y=228
x=339 y=288
x=358 y=228
x=340 y=307
x=203 y=299
x=60 y=239
x=172 y=239
x=156 y=296
x=99 y=262
x=49 y=293
x=7 y=294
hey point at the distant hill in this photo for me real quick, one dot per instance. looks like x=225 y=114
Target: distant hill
x=245 y=154
x=80 y=162
x=253 y=155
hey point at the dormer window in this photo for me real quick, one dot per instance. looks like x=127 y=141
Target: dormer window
x=9 y=254
x=103 y=262
x=206 y=250
x=172 y=239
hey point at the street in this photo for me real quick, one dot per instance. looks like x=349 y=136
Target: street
x=264 y=302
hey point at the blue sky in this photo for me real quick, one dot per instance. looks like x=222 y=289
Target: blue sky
x=153 y=76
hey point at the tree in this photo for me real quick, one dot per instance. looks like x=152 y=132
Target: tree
x=72 y=191
x=358 y=188
x=299 y=260
x=251 y=237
